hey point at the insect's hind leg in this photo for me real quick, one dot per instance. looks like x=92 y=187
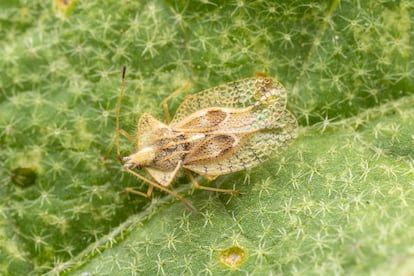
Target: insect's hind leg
x=198 y=186
x=185 y=86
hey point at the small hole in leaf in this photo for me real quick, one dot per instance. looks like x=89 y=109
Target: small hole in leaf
x=24 y=177
x=233 y=257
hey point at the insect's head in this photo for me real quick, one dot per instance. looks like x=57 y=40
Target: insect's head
x=130 y=165
x=139 y=159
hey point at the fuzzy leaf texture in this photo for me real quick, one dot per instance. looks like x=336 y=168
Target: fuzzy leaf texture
x=338 y=201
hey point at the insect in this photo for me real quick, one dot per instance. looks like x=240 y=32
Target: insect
x=220 y=130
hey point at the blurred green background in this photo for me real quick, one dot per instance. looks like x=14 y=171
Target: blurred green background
x=339 y=201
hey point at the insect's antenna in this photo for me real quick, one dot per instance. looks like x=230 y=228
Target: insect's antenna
x=118 y=111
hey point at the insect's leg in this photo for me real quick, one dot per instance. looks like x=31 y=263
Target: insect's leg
x=130 y=137
x=210 y=177
x=261 y=74
x=198 y=186
x=158 y=186
x=146 y=195
x=165 y=101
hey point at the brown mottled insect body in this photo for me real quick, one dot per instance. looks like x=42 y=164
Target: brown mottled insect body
x=217 y=131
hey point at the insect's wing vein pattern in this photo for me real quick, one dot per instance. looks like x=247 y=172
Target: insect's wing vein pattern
x=256 y=117
x=257 y=148
x=237 y=94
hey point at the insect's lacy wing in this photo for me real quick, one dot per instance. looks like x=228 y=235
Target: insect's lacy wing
x=238 y=94
x=149 y=130
x=217 y=120
x=257 y=148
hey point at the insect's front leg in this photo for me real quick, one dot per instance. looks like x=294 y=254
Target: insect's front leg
x=173 y=94
x=153 y=184
x=198 y=186
x=130 y=137
x=115 y=141
x=146 y=195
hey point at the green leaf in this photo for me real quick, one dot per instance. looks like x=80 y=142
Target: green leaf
x=338 y=201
